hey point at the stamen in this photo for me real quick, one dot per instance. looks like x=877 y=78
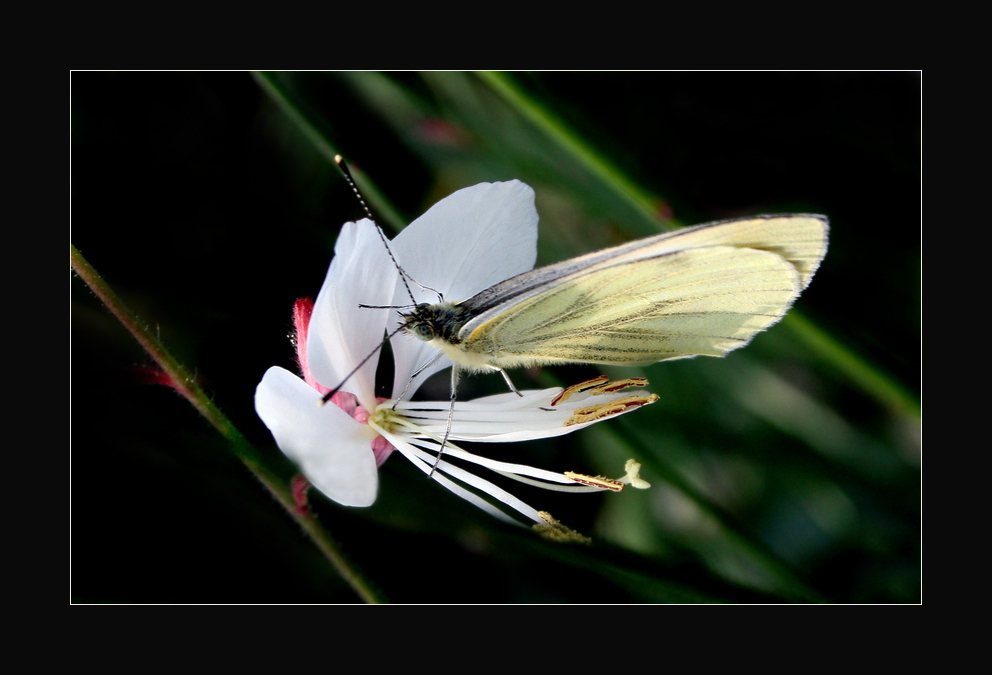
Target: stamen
x=386 y=419
x=599 y=386
x=596 y=481
x=576 y=388
x=619 y=385
x=598 y=412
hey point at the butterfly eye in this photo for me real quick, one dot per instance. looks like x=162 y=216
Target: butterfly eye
x=424 y=332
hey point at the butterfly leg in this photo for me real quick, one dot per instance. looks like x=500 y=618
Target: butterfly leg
x=507 y=378
x=451 y=412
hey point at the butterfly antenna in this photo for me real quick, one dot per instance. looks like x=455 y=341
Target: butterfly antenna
x=339 y=160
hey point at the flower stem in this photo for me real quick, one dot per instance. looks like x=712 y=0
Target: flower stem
x=181 y=380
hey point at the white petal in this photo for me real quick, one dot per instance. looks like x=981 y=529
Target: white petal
x=342 y=333
x=472 y=239
x=332 y=450
x=505 y=418
x=462 y=245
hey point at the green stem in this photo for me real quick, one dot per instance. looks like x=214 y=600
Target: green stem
x=192 y=392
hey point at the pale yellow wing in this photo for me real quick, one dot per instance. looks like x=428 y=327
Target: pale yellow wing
x=696 y=298
x=801 y=239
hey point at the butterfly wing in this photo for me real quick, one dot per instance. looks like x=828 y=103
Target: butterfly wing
x=703 y=290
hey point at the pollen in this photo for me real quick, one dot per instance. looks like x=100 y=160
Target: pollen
x=595 y=481
x=619 y=385
x=598 y=386
x=593 y=413
x=553 y=529
x=576 y=388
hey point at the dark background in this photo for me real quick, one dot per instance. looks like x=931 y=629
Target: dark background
x=210 y=212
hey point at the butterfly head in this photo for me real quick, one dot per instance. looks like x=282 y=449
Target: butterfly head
x=431 y=322
x=420 y=323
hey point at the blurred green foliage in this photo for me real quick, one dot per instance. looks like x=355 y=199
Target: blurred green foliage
x=788 y=471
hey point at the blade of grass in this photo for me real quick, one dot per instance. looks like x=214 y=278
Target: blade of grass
x=870 y=378
x=291 y=107
x=583 y=153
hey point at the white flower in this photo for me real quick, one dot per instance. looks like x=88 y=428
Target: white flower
x=465 y=243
